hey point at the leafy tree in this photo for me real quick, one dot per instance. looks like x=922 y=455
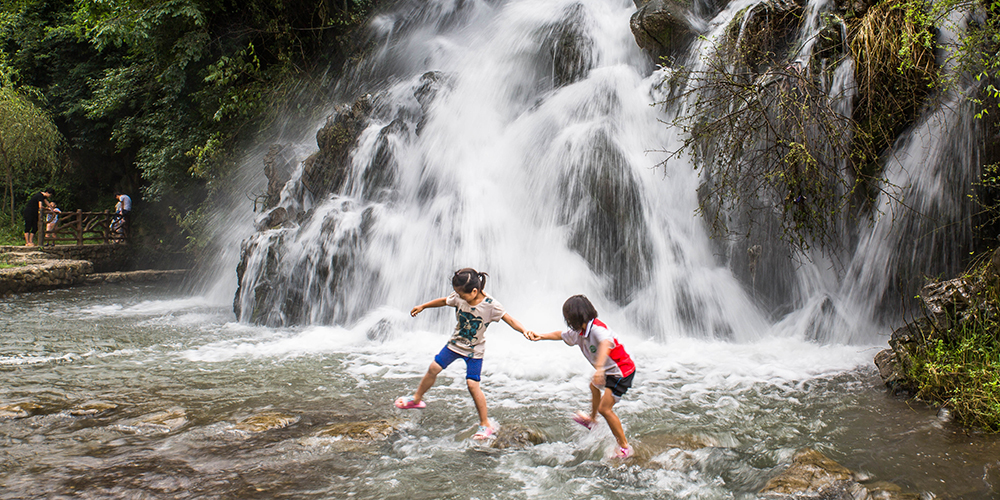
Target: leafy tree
x=159 y=95
x=28 y=139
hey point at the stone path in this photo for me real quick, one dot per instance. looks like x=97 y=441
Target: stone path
x=34 y=269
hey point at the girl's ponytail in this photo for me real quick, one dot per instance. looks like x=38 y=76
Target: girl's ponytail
x=468 y=279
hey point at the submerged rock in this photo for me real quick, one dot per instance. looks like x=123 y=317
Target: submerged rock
x=814 y=476
x=375 y=430
x=92 y=408
x=668 y=450
x=266 y=421
x=160 y=422
x=19 y=410
x=516 y=436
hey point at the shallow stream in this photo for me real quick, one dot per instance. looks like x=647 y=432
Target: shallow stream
x=181 y=374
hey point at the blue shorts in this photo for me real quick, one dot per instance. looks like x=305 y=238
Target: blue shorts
x=473 y=366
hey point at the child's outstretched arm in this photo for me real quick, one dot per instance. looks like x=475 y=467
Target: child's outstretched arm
x=556 y=335
x=515 y=324
x=434 y=303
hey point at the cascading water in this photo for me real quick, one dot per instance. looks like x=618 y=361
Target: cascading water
x=531 y=162
x=516 y=139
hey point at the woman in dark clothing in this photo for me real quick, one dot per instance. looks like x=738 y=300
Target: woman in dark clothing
x=30 y=214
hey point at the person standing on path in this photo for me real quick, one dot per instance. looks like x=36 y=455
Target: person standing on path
x=30 y=214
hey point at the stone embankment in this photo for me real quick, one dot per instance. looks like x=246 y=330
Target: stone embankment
x=34 y=269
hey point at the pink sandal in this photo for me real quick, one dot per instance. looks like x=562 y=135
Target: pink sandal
x=583 y=419
x=484 y=432
x=407 y=403
x=624 y=453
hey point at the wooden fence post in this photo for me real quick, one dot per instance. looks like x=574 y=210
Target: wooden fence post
x=79 y=227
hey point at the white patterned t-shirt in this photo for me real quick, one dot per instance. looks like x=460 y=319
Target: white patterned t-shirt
x=469 y=338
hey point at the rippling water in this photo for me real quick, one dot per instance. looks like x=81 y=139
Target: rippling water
x=182 y=374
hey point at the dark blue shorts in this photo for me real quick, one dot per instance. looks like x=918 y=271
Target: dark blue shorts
x=473 y=366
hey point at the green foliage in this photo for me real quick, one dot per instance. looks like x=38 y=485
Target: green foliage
x=961 y=367
x=29 y=140
x=769 y=142
x=158 y=95
x=895 y=69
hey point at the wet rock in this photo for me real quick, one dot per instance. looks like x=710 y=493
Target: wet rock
x=276 y=217
x=814 y=476
x=265 y=422
x=890 y=369
x=19 y=410
x=809 y=473
x=603 y=210
x=326 y=170
x=92 y=408
x=945 y=301
x=160 y=422
x=380 y=176
x=660 y=27
x=759 y=32
x=375 y=430
x=278 y=166
x=571 y=48
x=658 y=443
x=516 y=436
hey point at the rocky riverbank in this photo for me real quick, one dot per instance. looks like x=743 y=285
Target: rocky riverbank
x=947 y=356
x=31 y=269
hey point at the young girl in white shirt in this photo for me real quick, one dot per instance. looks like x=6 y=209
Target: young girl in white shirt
x=614 y=367
x=474 y=310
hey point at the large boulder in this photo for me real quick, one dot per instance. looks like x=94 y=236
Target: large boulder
x=571 y=47
x=660 y=27
x=326 y=170
x=814 y=476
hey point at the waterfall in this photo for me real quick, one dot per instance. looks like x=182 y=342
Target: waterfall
x=521 y=138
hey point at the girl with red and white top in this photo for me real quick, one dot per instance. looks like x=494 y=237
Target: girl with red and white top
x=614 y=367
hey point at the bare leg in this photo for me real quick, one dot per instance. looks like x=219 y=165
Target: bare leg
x=29 y=239
x=427 y=381
x=595 y=401
x=606 y=409
x=480 y=399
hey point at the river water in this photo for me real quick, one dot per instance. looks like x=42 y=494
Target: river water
x=181 y=374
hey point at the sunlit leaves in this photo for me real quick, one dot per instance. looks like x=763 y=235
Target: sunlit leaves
x=28 y=139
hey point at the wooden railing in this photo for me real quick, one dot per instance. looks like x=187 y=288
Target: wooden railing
x=79 y=228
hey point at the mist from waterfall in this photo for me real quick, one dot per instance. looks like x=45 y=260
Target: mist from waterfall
x=522 y=138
